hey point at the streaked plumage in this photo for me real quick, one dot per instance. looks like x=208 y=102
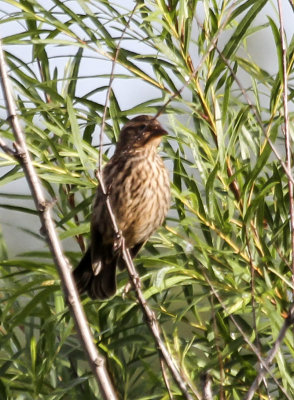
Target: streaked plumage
x=138 y=187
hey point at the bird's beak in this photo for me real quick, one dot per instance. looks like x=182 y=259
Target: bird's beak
x=158 y=131
x=154 y=135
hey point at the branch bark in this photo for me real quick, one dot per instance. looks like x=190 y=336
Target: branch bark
x=287 y=132
x=96 y=361
x=264 y=366
x=149 y=315
x=165 y=356
x=257 y=381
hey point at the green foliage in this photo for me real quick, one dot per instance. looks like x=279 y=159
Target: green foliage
x=227 y=233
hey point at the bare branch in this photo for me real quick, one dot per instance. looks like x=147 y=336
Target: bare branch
x=95 y=360
x=206 y=386
x=288 y=322
x=147 y=312
x=287 y=132
x=7 y=149
x=165 y=378
x=263 y=362
x=135 y=279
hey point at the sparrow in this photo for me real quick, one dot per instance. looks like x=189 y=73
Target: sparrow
x=138 y=188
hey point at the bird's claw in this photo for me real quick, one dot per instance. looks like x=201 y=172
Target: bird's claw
x=118 y=241
x=136 y=281
x=127 y=290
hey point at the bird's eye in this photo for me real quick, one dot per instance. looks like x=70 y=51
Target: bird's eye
x=141 y=127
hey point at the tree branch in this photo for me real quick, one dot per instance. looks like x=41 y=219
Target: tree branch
x=254 y=110
x=149 y=315
x=95 y=360
x=262 y=362
x=135 y=279
x=288 y=322
x=287 y=132
x=290 y=319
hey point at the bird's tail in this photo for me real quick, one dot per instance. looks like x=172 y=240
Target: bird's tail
x=83 y=273
x=102 y=285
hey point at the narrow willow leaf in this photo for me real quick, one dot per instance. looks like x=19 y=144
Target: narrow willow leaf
x=243 y=25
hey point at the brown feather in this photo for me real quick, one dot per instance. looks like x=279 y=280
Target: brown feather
x=138 y=187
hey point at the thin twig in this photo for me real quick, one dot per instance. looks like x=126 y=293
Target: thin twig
x=288 y=322
x=150 y=317
x=147 y=312
x=253 y=108
x=165 y=378
x=219 y=355
x=95 y=360
x=263 y=362
x=8 y=150
x=253 y=300
x=252 y=287
x=287 y=132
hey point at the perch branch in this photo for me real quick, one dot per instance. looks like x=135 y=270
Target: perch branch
x=135 y=279
x=95 y=360
x=147 y=312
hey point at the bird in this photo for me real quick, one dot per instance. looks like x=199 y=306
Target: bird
x=138 y=188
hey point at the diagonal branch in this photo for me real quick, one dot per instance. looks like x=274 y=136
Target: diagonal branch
x=95 y=360
x=257 y=381
x=264 y=365
x=147 y=312
x=150 y=317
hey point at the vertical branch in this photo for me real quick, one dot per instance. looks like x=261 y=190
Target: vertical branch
x=252 y=287
x=206 y=377
x=253 y=299
x=95 y=360
x=287 y=132
x=165 y=378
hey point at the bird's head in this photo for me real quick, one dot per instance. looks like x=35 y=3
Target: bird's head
x=139 y=133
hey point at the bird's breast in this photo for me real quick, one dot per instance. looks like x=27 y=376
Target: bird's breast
x=140 y=197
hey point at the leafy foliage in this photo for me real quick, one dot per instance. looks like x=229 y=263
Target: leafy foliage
x=226 y=248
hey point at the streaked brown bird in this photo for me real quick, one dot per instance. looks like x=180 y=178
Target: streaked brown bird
x=137 y=184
